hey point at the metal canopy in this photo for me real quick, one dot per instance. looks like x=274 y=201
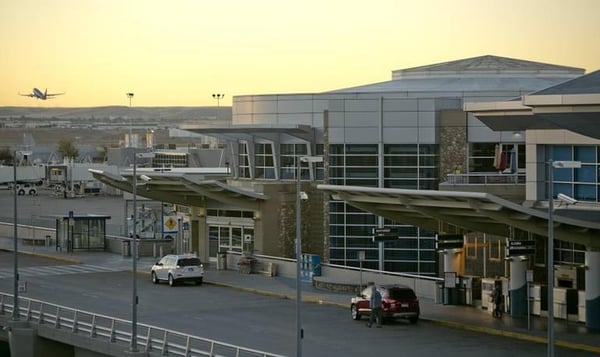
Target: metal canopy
x=183 y=186
x=471 y=211
x=573 y=105
x=254 y=132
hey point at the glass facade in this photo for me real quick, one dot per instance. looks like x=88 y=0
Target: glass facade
x=411 y=166
x=581 y=183
x=492 y=157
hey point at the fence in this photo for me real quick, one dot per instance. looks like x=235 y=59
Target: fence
x=117 y=331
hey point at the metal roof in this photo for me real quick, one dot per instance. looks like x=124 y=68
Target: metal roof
x=254 y=132
x=573 y=105
x=186 y=188
x=477 y=74
x=471 y=211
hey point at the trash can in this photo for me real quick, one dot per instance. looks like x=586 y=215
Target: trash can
x=222 y=260
x=126 y=248
x=439 y=292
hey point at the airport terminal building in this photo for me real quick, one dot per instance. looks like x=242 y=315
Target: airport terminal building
x=406 y=133
x=449 y=148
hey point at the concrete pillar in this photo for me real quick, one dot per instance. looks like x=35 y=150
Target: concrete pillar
x=21 y=339
x=198 y=234
x=592 y=289
x=518 y=287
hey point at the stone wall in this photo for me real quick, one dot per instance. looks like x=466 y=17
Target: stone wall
x=453 y=143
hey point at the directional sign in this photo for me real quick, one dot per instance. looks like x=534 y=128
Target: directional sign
x=449 y=241
x=518 y=248
x=384 y=234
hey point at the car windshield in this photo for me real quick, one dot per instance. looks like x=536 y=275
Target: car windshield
x=400 y=294
x=186 y=262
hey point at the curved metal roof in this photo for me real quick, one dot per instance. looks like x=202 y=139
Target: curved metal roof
x=471 y=211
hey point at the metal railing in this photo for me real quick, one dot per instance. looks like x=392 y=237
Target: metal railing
x=485 y=179
x=114 y=330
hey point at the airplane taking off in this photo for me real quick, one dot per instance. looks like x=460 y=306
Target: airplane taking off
x=38 y=94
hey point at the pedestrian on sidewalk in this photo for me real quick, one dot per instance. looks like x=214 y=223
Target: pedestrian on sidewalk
x=375 y=305
x=497 y=300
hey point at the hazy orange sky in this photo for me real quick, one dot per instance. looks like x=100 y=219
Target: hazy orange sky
x=180 y=52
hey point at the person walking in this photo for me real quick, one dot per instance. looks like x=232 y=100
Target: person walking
x=375 y=305
x=497 y=300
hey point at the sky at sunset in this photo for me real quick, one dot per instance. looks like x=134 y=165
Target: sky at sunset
x=180 y=52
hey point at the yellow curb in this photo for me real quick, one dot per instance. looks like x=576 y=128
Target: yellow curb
x=50 y=256
x=515 y=335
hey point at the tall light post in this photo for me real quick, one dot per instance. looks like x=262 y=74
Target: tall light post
x=134 y=250
x=218 y=97
x=551 y=166
x=15 y=314
x=299 y=197
x=130 y=96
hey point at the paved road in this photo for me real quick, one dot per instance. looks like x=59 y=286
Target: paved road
x=259 y=321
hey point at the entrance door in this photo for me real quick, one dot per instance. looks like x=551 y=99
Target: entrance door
x=223 y=238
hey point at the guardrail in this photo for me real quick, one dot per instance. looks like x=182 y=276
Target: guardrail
x=114 y=330
x=485 y=179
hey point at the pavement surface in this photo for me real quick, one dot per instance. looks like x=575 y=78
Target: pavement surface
x=567 y=334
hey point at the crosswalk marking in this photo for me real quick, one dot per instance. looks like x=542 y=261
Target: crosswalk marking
x=57 y=270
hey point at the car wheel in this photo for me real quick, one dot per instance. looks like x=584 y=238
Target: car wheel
x=354 y=312
x=414 y=319
x=21 y=192
x=154 y=278
x=199 y=281
x=171 y=280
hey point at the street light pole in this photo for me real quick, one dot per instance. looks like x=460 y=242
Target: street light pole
x=134 y=298
x=550 y=258
x=218 y=97
x=299 y=331
x=551 y=165
x=298 y=262
x=130 y=96
x=15 y=314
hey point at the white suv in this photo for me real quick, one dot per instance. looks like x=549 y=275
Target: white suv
x=178 y=268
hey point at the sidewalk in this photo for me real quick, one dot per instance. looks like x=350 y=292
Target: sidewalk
x=567 y=334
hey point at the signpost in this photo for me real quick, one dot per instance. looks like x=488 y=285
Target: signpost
x=384 y=234
x=449 y=241
x=517 y=248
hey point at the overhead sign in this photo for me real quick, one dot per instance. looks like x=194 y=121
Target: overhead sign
x=449 y=241
x=384 y=234
x=517 y=248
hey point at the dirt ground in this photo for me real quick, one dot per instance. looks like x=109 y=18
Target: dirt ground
x=95 y=137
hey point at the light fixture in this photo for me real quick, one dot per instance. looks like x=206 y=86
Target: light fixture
x=566 y=199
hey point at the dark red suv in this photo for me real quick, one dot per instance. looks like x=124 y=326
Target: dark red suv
x=398 y=302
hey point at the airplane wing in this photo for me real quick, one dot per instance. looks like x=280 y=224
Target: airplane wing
x=27 y=95
x=53 y=94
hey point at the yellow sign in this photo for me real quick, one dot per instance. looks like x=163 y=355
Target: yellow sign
x=171 y=223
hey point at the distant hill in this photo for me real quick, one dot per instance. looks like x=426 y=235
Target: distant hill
x=162 y=113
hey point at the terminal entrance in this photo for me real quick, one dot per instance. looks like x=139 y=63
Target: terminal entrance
x=229 y=238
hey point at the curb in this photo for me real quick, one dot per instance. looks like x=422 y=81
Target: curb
x=515 y=335
x=47 y=256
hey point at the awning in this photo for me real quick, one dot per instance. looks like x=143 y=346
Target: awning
x=471 y=211
x=184 y=186
x=573 y=105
